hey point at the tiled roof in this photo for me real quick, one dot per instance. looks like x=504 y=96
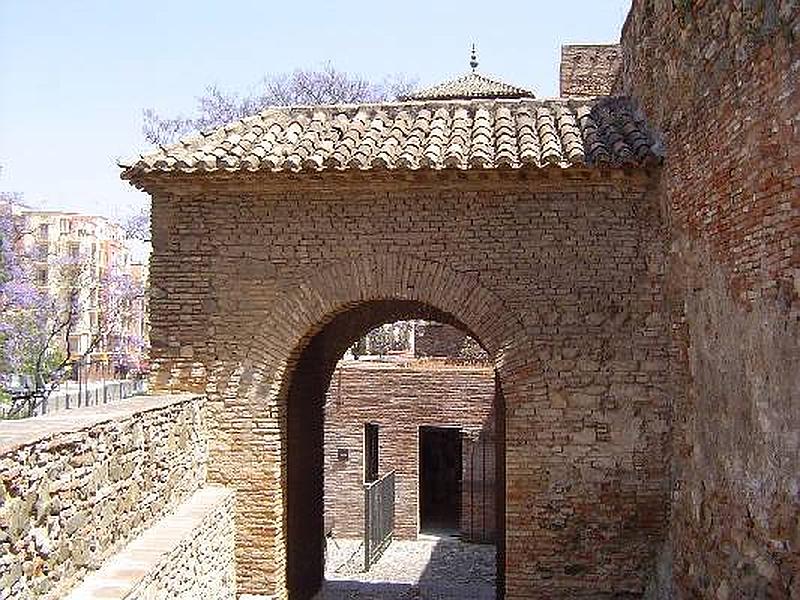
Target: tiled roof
x=469 y=86
x=414 y=135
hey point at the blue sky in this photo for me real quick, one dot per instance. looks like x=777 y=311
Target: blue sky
x=75 y=75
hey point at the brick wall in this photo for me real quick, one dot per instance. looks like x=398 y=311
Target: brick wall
x=75 y=489
x=400 y=398
x=719 y=81
x=557 y=272
x=589 y=69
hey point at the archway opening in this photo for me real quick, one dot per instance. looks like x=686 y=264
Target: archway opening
x=310 y=522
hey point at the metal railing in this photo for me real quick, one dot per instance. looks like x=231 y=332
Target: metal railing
x=72 y=396
x=378 y=517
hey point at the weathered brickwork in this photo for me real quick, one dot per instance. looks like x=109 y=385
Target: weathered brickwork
x=70 y=497
x=720 y=81
x=559 y=274
x=589 y=69
x=400 y=399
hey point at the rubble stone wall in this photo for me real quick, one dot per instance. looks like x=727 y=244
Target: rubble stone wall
x=400 y=399
x=202 y=566
x=720 y=82
x=439 y=339
x=72 y=496
x=557 y=272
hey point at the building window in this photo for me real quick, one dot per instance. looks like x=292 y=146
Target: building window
x=370 y=452
x=41 y=276
x=74 y=250
x=44 y=230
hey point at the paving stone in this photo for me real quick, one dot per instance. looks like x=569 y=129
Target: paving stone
x=443 y=569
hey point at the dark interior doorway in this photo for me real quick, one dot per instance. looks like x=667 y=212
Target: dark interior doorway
x=440 y=464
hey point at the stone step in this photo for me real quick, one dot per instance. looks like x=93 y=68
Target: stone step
x=188 y=554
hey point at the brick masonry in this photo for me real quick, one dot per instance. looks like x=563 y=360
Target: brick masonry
x=558 y=273
x=75 y=489
x=589 y=69
x=400 y=398
x=719 y=81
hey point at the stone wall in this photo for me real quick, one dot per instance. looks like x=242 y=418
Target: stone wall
x=589 y=69
x=720 y=83
x=441 y=340
x=557 y=272
x=74 y=488
x=202 y=564
x=400 y=398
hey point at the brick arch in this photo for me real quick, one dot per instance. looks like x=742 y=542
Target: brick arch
x=401 y=286
x=305 y=307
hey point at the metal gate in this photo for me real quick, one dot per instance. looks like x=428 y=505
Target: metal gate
x=378 y=517
x=479 y=510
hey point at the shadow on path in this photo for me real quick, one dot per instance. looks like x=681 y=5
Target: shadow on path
x=445 y=569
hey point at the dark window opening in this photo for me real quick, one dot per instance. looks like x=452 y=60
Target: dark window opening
x=440 y=467
x=370 y=452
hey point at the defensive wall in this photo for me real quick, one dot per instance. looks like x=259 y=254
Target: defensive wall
x=720 y=84
x=117 y=493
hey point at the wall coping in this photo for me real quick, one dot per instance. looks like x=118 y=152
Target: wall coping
x=22 y=432
x=122 y=572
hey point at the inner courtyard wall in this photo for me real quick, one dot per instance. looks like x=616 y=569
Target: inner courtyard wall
x=720 y=82
x=558 y=273
x=400 y=398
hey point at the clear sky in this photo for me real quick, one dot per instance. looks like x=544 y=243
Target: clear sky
x=75 y=75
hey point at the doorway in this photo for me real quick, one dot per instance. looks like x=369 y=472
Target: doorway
x=440 y=466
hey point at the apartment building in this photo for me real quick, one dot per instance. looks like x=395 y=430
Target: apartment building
x=90 y=257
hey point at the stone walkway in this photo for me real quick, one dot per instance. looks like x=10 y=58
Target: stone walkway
x=430 y=569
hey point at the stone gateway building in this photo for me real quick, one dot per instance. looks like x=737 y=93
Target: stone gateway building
x=613 y=269
x=534 y=225
x=627 y=256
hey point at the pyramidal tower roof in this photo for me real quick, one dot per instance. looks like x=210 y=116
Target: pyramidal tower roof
x=470 y=86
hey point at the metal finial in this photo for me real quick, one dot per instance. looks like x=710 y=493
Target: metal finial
x=473 y=59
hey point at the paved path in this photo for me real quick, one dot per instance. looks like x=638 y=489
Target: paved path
x=438 y=569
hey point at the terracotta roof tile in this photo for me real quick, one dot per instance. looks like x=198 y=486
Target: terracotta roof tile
x=469 y=87
x=475 y=134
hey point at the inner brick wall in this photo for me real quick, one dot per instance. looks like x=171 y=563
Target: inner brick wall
x=400 y=398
